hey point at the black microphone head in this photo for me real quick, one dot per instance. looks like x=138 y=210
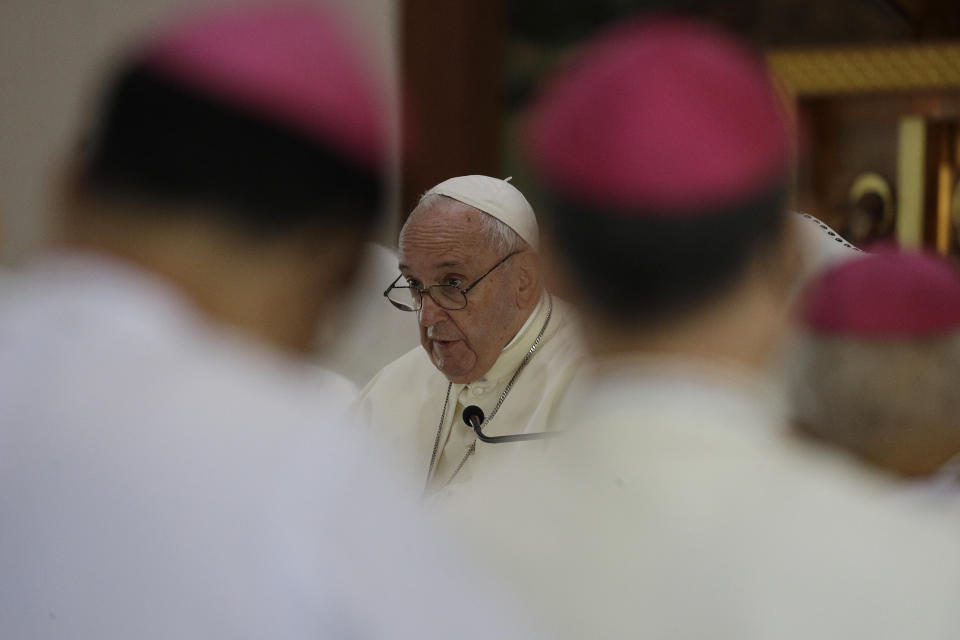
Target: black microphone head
x=473 y=415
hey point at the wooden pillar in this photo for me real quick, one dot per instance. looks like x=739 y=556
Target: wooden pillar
x=451 y=57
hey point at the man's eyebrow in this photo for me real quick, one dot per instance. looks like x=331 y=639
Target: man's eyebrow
x=442 y=265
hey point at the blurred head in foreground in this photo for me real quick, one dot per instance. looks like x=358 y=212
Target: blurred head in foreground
x=879 y=361
x=240 y=155
x=664 y=152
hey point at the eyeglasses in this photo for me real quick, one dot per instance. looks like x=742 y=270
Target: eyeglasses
x=447 y=296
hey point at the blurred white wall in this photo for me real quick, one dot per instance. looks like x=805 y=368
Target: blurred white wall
x=369 y=333
x=53 y=54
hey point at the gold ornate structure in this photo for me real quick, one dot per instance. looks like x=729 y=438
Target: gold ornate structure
x=867 y=69
x=892 y=109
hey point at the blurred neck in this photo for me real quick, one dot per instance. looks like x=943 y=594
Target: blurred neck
x=274 y=290
x=915 y=459
x=743 y=328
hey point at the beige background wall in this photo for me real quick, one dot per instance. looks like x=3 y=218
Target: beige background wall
x=52 y=57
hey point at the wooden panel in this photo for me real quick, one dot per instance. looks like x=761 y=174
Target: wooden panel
x=451 y=61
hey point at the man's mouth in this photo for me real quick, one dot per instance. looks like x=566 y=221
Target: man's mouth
x=444 y=345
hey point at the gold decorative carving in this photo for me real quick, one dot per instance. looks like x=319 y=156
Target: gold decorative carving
x=867 y=69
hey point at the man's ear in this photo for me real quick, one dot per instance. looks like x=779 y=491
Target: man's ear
x=528 y=277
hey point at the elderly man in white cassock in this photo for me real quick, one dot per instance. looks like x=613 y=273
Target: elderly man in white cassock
x=492 y=337
x=677 y=504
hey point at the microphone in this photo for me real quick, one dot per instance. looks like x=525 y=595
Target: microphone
x=473 y=417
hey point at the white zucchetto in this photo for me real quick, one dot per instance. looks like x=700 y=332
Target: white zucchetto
x=497 y=198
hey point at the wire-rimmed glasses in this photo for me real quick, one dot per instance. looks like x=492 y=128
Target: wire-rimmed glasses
x=447 y=296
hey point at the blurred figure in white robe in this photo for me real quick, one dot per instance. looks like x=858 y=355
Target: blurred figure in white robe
x=679 y=504
x=878 y=364
x=169 y=465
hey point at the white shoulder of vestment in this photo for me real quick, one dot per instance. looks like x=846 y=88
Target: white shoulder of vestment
x=409 y=368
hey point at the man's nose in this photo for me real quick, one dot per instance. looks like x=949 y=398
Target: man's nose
x=430 y=312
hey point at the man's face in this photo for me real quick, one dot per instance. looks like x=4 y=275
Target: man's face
x=445 y=245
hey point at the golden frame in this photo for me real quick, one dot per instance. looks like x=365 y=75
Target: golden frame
x=825 y=71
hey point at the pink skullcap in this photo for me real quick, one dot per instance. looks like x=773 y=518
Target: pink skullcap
x=663 y=115
x=294 y=65
x=885 y=295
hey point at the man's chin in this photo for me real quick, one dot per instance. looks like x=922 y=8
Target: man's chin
x=456 y=375
x=459 y=377
x=453 y=373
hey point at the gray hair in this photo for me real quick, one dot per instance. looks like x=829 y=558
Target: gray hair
x=500 y=237
x=868 y=396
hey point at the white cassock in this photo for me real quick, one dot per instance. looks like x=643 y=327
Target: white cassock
x=405 y=401
x=163 y=478
x=679 y=507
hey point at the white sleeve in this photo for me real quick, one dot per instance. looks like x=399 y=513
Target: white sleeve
x=821 y=245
